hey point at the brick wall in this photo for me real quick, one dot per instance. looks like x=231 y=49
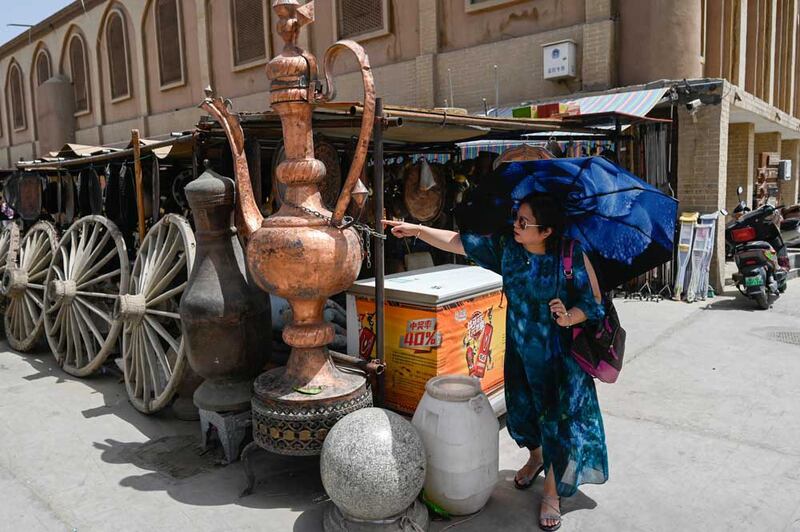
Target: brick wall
x=741 y=149
x=598 y=10
x=598 y=71
x=703 y=170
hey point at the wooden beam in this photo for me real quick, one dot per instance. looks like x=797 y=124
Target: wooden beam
x=137 y=169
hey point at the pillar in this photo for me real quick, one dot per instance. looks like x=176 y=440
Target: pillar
x=703 y=171
x=790 y=190
x=741 y=151
x=428 y=48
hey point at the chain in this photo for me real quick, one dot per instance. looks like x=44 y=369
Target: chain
x=365 y=230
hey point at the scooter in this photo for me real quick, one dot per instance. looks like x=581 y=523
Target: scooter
x=755 y=244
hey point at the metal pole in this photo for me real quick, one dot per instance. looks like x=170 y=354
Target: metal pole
x=377 y=158
x=137 y=168
x=496 y=92
x=450 y=80
x=617 y=133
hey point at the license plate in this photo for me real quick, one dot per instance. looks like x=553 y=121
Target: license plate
x=754 y=281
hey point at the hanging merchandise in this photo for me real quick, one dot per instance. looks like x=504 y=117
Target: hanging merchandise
x=711 y=221
x=526 y=152
x=423 y=200
x=703 y=238
x=331 y=183
x=688 y=221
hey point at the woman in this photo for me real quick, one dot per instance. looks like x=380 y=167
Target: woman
x=552 y=404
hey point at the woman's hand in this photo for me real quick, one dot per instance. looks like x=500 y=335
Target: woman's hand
x=403 y=229
x=559 y=311
x=557 y=307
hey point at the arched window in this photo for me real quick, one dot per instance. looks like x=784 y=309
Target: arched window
x=43 y=71
x=117 y=48
x=79 y=72
x=169 y=33
x=249 y=40
x=17 y=97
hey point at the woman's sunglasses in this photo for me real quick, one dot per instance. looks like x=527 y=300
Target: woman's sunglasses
x=524 y=224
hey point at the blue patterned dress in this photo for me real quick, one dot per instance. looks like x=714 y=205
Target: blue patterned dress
x=551 y=401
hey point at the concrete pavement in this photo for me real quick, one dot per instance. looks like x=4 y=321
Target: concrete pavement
x=703 y=432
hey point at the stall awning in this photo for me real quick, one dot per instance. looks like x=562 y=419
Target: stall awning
x=633 y=103
x=603 y=107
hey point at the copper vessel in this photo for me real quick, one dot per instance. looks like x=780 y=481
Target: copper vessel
x=226 y=320
x=303 y=253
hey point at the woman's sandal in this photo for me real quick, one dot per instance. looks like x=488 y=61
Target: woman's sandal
x=551 y=513
x=527 y=482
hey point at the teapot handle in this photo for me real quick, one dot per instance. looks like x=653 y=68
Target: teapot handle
x=367 y=118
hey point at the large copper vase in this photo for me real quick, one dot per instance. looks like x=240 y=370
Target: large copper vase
x=303 y=252
x=225 y=319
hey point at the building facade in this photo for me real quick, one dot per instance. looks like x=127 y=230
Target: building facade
x=145 y=63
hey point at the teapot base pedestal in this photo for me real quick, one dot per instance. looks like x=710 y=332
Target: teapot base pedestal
x=334 y=520
x=231 y=431
x=224 y=395
x=293 y=423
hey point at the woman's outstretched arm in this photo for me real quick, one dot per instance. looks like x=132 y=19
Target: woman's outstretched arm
x=438 y=238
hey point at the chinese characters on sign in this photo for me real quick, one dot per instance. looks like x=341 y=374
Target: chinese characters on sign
x=421 y=335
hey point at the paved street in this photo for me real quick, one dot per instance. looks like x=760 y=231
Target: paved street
x=703 y=431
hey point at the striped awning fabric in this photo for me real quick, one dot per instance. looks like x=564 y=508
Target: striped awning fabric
x=631 y=103
x=634 y=103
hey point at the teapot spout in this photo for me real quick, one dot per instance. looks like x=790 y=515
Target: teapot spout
x=247 y=215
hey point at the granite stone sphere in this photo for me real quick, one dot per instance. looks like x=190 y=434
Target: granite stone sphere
x=373 y=464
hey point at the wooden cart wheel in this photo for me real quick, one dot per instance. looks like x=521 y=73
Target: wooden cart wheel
x=9 y=246
x=23 y=283
x=88 y=273
x=152 y=338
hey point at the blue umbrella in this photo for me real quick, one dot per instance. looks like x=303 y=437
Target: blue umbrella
x=625 y=225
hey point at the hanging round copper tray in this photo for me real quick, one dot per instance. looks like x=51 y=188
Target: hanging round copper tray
x=423 y=205
x=30 y=196
x=67 y=198
x=331 y=184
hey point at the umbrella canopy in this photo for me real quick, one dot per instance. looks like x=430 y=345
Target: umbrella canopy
x=625 y=225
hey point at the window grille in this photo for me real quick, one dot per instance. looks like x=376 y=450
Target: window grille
x=43 y=72
x=17 y=98
x=170 y=42
x=356 y=18
x=78 y=71
x=116 y=42
x=249 y=41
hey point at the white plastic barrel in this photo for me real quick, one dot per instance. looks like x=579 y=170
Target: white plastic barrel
x=461 y=437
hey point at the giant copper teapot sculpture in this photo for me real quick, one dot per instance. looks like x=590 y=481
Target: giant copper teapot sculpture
x=303 y=252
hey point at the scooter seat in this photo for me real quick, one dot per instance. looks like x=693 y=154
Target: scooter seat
x=756 y=245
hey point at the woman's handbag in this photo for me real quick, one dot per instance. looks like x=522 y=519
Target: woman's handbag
x=597 y=347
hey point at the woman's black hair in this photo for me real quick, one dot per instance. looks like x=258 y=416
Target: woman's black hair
x=549 y=214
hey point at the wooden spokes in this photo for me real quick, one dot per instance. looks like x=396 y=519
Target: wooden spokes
x=152 y=338
x=23 y=284
x=9 y=247
x=88 y=273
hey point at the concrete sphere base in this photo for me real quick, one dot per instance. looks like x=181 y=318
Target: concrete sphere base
x=335 y=521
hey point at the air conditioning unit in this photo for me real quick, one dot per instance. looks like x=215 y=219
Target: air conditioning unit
x=560 y=59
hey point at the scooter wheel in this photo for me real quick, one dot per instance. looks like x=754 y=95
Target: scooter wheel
x=762 y=300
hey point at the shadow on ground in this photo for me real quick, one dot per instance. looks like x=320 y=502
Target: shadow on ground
x=172 y=459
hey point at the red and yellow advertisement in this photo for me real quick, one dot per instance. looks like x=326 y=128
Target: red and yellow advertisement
x=467 y=337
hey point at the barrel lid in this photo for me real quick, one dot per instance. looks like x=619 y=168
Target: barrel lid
x=453 y=387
